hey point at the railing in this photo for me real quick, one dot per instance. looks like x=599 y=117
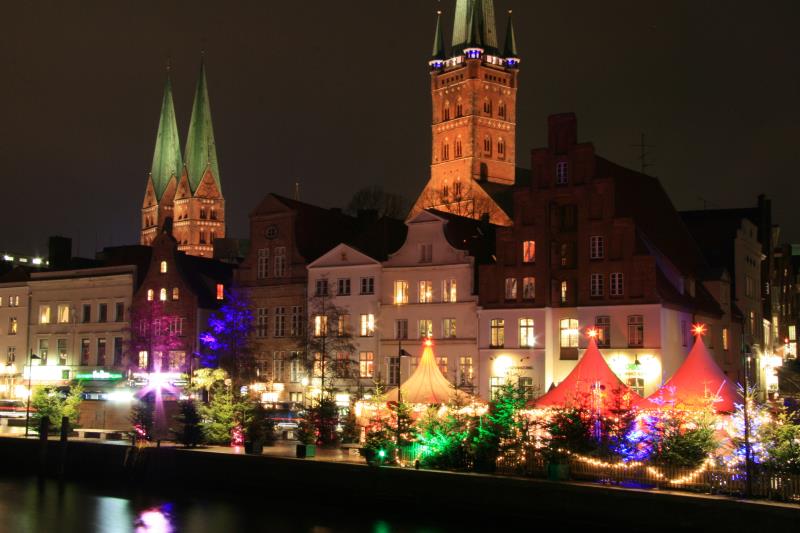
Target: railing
x=707 y=479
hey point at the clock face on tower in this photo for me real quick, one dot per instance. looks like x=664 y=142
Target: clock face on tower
x=271 y=232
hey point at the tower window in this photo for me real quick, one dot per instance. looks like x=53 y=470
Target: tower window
x=202 y=212
x=163 y=267
x=446 y=111
x=459 y=110
x=445 y=151
x=457 y=188
x=487 y=107
x=562 y=173
x=458 y=148
x=501 y=110
x=487 y=145
x=501 y=148
x=149 y=295
x=445 y=191
x=162 y=295
x=213 y=214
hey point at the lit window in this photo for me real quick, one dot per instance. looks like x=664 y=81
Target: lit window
x=528 y=251
x=634 y=379
x=366 y=364
x=562 y=173
x=320 y=325
x=466 y=371
x=12 y=326
x=602 y=325
x=163 y=267
x=220 y=291
x=569 y=333
x=498 y=337
x=511 y=288
x=529 y=288
x=150 y=295
x=442 y=364
x=143 y=359
x=342 y=325
x=367 y=325
x=63 y=313
x=527 y=339
x=449 y=328
x=449 y=293
x=162 y=294
x=44 y=314
x=425 y=292
x=635 y=330
x=425 y=329
x=564 y=292
x=401 y=292
x=596 y=285
x=597 y=247
x=176 y=293
x=725 y=339
x=617 y=284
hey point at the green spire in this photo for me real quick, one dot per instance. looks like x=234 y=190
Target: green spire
x=510 y=48
x=438 y=39
x=201 y=150
x=167 y=155
x=475 y=25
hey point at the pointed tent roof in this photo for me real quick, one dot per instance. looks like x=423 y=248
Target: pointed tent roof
x=580 y=384
x=696 y=381
x=438 y=39
x=474 y=25
x=427 y=384
x=510 y=48
x=167 y=155
x=201 y=149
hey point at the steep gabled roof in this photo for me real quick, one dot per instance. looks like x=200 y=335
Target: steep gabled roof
x=167 y=155
x=201 y=149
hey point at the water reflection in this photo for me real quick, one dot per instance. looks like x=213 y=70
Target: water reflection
x=155 y=520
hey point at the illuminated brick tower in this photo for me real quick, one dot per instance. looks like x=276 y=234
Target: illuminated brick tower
x=474 y=96
x=192 y=198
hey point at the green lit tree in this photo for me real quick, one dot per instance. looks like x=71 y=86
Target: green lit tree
x=54 y=404
x=501 y=430
x=189 y=433
x=222 y=414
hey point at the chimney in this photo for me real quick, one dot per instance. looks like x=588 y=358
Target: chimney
x=562 y=130
x=59 y=252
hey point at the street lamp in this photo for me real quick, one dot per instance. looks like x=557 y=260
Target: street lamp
x=748 y=461
x=31 y=357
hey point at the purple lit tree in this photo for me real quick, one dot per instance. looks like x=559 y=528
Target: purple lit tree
x=156 y=342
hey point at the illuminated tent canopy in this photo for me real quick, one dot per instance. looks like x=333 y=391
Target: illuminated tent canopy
x=426 y=385
x=698 y=382
x=591 y=384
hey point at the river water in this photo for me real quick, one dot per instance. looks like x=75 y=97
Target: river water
x=28 y=506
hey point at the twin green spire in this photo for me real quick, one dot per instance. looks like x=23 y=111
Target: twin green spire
x=201 y=149
x=474 y=26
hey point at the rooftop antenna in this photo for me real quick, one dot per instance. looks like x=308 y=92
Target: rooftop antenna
x=297 y=191
x=643 y=146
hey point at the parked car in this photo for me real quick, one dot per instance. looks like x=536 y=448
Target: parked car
x=13 y=409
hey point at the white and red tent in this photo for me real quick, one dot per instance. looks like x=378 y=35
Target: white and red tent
x=591 y=384
x=427 y=385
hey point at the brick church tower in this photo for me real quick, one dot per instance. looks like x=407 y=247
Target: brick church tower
x=474 y=96
x=187 y=189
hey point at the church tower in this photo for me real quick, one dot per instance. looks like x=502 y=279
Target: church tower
x=474 y=97
x=192 y=196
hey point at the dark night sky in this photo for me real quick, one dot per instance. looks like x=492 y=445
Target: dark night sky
x=336 y=95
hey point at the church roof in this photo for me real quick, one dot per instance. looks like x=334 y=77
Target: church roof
x=474 y=25
x=578 y=388
x=438 y=39
x=201 y=149
x=697 y=381
x=426 y=385
x=167 y=154
x=510 y=48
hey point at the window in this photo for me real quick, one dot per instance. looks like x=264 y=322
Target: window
x=343 y=287
x=175 y=326
x=44 y=314
x=466 y=371
x=445 y=151
x=163 y=268
x=262 y=319
x=602 y=325
x=394 y=371
x=262 y=263
x=101 y=352
x=162 y=294
x=401 y=328
x=44 y=348
x=277 y=365
x=634 y=379
x=12 y=326
x=562 y=173
x=449 y=328
x=527 y=339
x=459 y=110
x=342 y=325
x=425 y=253
x=564 y=292
x=85 y=348
x=511 y=288
x=368 y=285
x=149 y=295
x=176 y=360
x=749 y=286
x=117 y=351
x=102 y=313
x=119 y=312
x=11 y=354
x=220 y=291
x=596 y=285
x=321 y=287
x=401 y=292
x=280 y=322
x=367 y=328
x=320 y=325
x=501 y=110
x=498 y=337
x=446 y=111
x=525 y=384
x=63 y=314
x=487 y=145
x=635 y=331
x=528 y=251
x=176 y=293
x=459 y=150
x=597 y=247
x=487 y=106
x=725 y=339
x=62 y=351
x=569 y=217
x=341 y=364
x=449 y=293
x=297 y=321
x=425 y=329
x=295 y=368
x=441 y=362
x=501 y=148
x=496 y=384
x=425 y=292
x=143 y=359
x=366 y=364
x=529 y=288
x=569 y=333
x=457 y=188
x=617 y=284
x=280 y=261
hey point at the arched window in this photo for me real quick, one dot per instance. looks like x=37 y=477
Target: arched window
x=445 y=191
x=213 y=214
x=457 y=188
x=487 y=106
x=501 y=148
x=445 y=151
x=202 y=212
x=150 y=295
x=459 y=109
x=487 y=145
x=176 y=294
x=163 y=267
x=162 y=294
x=446 y=111
x=501 y=110
x=458 y=147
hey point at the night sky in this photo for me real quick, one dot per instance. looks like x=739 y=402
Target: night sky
x=335 y=95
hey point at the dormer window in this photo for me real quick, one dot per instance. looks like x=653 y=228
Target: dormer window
x=562 y=173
